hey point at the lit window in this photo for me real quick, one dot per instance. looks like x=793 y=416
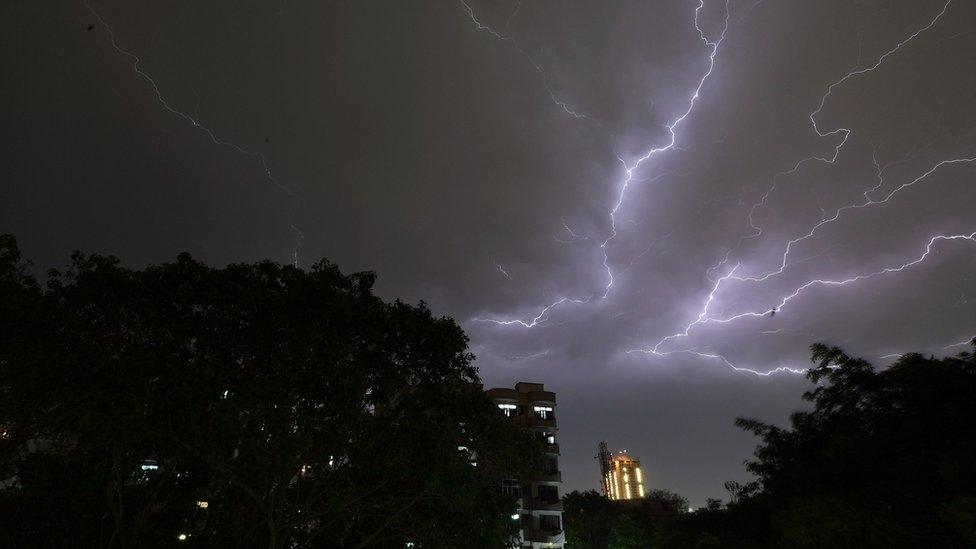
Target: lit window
x=543 y=412
x=203 y=504
x=512 y=487
x=508 y=409
x=515 y=516
x=183 y=537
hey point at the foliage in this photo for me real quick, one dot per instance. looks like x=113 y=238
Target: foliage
x=588 y=518
x=302 y=409
x=881 y=459
x=593 y=521
x=884 y=458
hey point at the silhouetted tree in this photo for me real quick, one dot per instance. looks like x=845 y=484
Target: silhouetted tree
x=884 y=458
x=627 y=533
x=660 y=501
x=587 y=518
x=593 y=521
x=253 y=405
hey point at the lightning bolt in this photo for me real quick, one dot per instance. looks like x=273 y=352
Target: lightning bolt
x=703 y=316
x=539 y=320
x=869 y=202
x=576 y=237
x=629 y=167
x=532 y=62
x=195 y=122
x=968 y=341
x=533 y=356
x=845 y=133
x=720 y=358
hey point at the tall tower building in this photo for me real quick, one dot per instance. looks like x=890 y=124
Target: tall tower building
x=531 y=407
x=624 y=480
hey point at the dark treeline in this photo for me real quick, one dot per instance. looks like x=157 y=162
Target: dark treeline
x=256 y=405
x=883 y=459
x=261 y=405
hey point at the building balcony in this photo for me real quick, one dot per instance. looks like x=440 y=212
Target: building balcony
x=552 y=449
x=536 y=504
x=549 y=477
x=535 y=421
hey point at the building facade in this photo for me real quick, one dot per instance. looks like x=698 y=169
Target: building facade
x=624 y=479
x=541 y=509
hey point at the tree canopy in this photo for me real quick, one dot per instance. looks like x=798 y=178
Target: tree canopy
x=881 y=458
x=255 y=404
x=593 y=521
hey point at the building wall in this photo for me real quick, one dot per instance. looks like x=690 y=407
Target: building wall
x=533 y=408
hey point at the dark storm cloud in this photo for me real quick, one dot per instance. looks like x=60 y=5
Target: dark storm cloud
x=438 y=154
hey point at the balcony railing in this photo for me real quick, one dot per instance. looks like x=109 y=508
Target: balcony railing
x=550 y=477
x=536 y=421
x=537 y=504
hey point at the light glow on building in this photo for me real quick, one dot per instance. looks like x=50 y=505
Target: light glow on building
x=624 y=480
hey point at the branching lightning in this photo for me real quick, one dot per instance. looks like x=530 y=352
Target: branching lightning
x=845 y=133
x=703 y=316
x=576 y=237
x=510 y=38
x=195 y=122
x=629 y=167
x=728 y=264
x=968 y=341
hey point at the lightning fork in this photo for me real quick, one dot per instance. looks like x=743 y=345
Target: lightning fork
x=195 y=122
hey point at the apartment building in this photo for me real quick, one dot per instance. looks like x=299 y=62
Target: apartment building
x=541 y=510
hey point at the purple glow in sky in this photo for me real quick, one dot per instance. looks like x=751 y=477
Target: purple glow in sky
x=653 y=208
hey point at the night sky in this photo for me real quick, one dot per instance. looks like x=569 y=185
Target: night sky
x=542 y=171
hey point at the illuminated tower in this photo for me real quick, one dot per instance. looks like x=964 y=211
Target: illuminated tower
x=625 y=480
